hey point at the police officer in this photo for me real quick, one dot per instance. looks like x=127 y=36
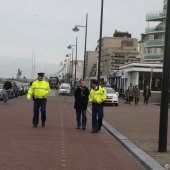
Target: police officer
x=39 y=90
x=97 y=97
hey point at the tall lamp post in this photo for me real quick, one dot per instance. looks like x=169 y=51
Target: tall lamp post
x=76 y=29
x=71 y=61
x=64 y=72
x=163 y=125
x=72 y=66
x=67 y=70
x=70 y=47
x=151 y=78
x=100 y=41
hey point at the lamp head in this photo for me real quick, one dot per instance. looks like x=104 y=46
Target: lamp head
x=69 y=47
x=76 y=29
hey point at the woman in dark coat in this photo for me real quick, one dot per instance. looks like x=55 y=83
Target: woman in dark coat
x=81 y=101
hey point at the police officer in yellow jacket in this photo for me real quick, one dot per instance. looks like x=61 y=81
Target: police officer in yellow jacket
x=39 y=91
x=97 y=97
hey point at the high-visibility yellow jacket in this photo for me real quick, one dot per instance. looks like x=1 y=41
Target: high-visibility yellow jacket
x=39 y=89
x=97 y=95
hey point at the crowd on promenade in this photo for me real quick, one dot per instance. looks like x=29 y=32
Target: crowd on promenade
x=133 y=94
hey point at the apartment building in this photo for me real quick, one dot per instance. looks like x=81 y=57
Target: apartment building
x=91 y=60
x=153 y=38
x=79 y=69
x=116 y=51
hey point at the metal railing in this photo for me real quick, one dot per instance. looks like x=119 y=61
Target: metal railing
x=153 y=57
x=154 y=43
x=155 y=29
x=155 y=15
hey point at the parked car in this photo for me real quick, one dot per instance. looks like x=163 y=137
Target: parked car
x=65 y=88
x=1 y=92
x=10 y=91
x=26 y=87
x=20 y=88
x=112 y=97
x=15 y=89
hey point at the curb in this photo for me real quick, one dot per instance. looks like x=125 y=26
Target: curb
x=148 y=162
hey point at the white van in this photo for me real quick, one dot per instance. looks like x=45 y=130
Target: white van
x=65 y=88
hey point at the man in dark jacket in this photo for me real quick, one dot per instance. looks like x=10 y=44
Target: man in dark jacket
x=146 y=95
x=7 y=87
x=81 y=101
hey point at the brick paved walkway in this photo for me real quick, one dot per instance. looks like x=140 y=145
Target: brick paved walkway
x=141 y=125
x=59 y=146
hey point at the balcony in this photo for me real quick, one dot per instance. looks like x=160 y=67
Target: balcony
x=158 y=29
x=156 y=16
x=154 y=43
x=153 y=57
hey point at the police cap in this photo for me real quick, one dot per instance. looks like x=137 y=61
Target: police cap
x=41 y=74
x=95 y=82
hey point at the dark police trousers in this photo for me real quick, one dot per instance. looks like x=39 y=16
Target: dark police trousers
x=97 y=116
x=39 y=104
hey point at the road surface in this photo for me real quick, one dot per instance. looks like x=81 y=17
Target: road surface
x=58 y=146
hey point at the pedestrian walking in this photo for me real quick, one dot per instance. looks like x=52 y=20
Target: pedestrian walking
x=39 y=90
x=97 y=97
x=7 y=90
x=131 y=93
x=136 y=94
x=81 y=101
x=146 y=95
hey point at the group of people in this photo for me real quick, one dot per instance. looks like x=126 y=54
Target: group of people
x=40 y=89
x=96 y=96
x=133 y=93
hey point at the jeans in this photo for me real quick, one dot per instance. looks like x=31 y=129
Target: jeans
x=39 y=104
x=6 y=95
x=97 y=116
x=146 y=100
x=130 y=99
x=136 y=100
x=81 y=118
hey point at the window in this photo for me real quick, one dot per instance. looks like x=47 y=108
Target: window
x=151 y=37
x=150 y=50
x=155 y=50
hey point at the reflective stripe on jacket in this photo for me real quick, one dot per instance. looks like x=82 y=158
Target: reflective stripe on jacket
x=97 y=96
x=39 y=89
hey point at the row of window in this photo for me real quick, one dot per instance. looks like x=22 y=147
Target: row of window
x=154 y=51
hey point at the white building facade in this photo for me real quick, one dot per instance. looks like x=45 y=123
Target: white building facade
x=141 y=74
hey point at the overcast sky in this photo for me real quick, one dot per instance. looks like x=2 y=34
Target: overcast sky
x=46 y=26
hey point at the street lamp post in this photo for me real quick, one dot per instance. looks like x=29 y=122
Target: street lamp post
x=76 y=63
x=100 y=41
x=76 y=29
x=67 y=70
x=64 y=72
x=163 y=124
x=151 y=78
x=70 y=65
x=70 y=47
